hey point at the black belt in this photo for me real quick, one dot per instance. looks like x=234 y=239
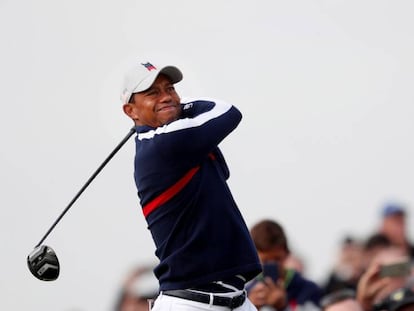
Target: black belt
x=230 y=302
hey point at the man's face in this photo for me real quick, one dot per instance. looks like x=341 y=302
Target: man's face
x=156 y=106
x=277 y=254
x=394 y=228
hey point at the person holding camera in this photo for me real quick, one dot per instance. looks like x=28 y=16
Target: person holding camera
x=277 y=287
x=388 y=271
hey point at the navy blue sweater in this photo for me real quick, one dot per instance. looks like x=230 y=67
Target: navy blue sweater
x=301 y=291
x=180 y=173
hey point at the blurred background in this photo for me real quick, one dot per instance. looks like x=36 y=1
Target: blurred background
x=325 y=88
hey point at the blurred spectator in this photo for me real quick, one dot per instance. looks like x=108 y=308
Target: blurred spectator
x=340 y=300
x=373 y=245
x=348 y=267
x=376 y=284
x=140 y=286
x=393 y=225
x=288 y=290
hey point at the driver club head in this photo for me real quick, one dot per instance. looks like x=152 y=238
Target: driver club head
x=43 y=263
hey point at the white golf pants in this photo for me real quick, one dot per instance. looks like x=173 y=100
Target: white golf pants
x=168 y=303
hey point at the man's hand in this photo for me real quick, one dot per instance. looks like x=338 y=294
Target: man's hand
x=370 y=286
x=373 y=288
x=268 y=293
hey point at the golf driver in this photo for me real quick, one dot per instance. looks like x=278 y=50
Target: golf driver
x=42 y=261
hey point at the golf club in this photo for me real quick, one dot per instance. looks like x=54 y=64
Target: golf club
x=42 y=261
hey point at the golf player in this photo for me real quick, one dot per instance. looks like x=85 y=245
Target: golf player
x=203 y=245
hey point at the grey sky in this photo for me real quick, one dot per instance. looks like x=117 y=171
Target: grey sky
x=325 y=88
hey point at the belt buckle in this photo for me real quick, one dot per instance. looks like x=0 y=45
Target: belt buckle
x=237 y=301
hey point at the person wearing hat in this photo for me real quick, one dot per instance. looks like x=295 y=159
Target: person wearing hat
x=393 y=226
x=203 y=245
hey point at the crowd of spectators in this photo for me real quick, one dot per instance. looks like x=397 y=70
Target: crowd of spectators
x=371 y=274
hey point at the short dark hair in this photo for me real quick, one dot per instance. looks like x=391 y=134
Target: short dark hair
x=267 y=234
x=377 y=240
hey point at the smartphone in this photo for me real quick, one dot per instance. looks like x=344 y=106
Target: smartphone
x=398 y=269
x=271 y=269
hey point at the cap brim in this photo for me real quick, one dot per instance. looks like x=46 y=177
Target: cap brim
x=173 y=73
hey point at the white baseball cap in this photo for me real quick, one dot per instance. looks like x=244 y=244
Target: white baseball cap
x=142 y=75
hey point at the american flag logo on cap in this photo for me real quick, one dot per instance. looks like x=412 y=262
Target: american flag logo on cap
x=149 y=66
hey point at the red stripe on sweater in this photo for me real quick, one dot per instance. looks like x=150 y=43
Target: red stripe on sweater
x=170 y=192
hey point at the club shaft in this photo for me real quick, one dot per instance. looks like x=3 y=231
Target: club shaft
x=130 y=133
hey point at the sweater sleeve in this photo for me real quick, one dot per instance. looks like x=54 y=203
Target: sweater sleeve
x=204 y=124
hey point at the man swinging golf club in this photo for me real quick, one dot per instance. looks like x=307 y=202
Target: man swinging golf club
x=203 y=245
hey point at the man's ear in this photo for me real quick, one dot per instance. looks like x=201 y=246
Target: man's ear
x=130 y=111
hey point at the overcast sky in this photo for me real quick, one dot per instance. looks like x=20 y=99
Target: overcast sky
x=325 y=88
